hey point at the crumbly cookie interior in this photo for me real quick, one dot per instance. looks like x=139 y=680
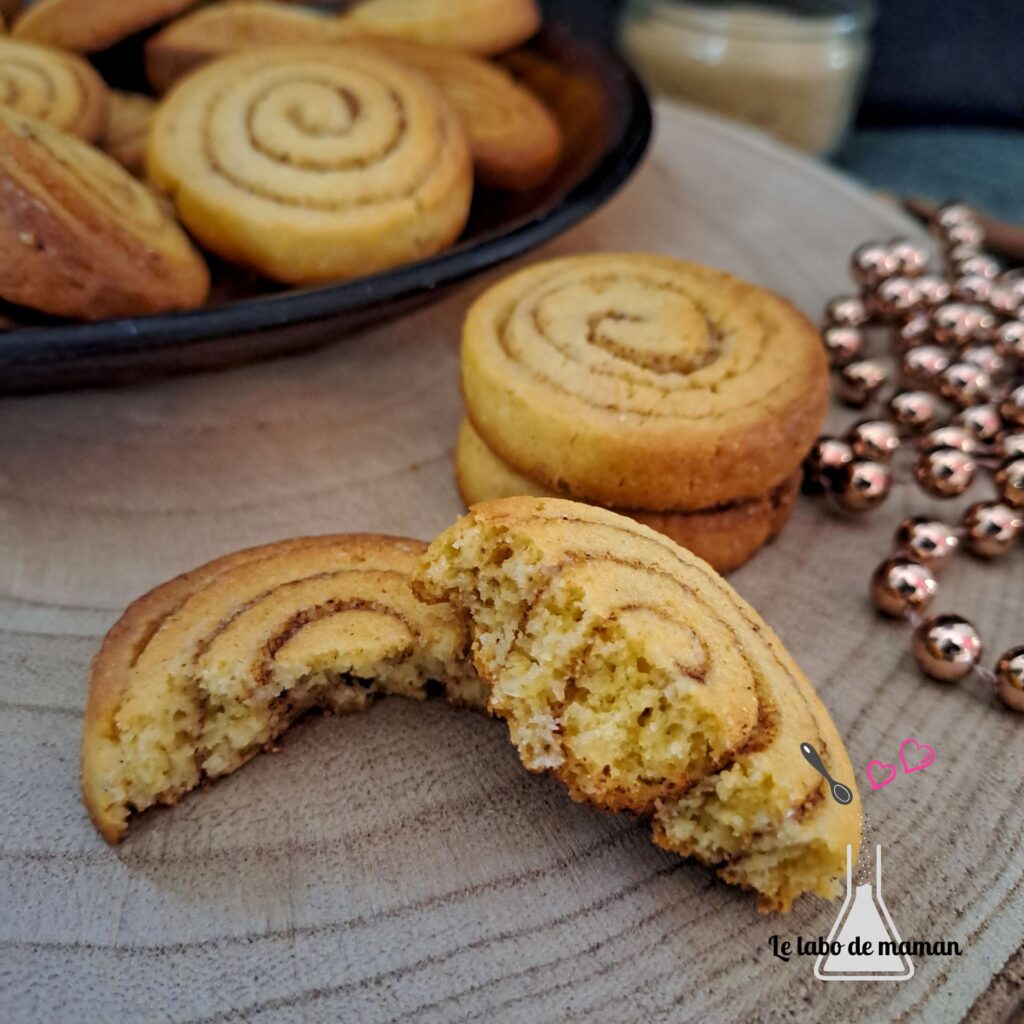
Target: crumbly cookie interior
x=218 y=680
x=611 y=703
x=672 y=716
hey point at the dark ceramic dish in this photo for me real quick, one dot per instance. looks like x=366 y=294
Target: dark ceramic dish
x=607 y=121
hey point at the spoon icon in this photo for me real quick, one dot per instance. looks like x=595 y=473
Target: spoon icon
x=840 y=793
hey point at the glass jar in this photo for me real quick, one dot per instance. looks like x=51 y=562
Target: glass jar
x=792 y=67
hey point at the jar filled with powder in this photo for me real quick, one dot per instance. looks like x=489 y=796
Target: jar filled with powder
x=792 y=67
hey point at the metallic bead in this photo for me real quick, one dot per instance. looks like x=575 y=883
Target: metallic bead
x=847 y=311
x=964 y=384
x=983 y=422
x=949 y=324
x=1010 y=679
x=991 y=529
x=934 y=290
x=981 y=322
x=872 y=263
x=951 y=214
x=1008 y=292
x=947 y=647
x=1010 y=445
x=823 y=462
x=980 y=266
x=974 y=289
x=958 y=253
x=986 y=357
x=964 y=236
x=911 y=257
x=915 y=331
x=928 y=541
x=944 y=472
x=914 y=411
x=842 y=344
x=896 y=296
x=1011 y=408
x=1010 y=339
x=1010 y=481
x=875 y=440
x=924 y=364
x=957 y=323
x=951 y=436
x=860 y=381
x=900 y=586
x=862 y=485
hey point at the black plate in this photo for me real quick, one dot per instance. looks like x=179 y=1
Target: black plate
x=607 y=121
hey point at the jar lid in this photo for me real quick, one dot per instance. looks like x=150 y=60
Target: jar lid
x=763 y=19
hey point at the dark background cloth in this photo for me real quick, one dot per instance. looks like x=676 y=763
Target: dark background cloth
x=936 y=61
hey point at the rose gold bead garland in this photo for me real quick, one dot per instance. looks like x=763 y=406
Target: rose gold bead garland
x=958 y=342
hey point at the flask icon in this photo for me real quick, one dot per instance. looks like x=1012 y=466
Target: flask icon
x=868 y=940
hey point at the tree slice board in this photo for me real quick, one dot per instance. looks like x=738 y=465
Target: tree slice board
x=400 y=865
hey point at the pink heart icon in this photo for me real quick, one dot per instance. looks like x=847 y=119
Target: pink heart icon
x=925 y=755
x=885 y=776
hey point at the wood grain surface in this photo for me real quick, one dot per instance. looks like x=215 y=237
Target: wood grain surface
x=400 y=865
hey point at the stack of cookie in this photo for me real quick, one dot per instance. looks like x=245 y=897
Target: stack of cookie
x=310 y=147
x=666 y=390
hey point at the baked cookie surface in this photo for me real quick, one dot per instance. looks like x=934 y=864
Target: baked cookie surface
x=53 y=86
x=233 y=26
x=202 y=672
x=479 y=26
x=515 y=140
x=86 y=27
x=726 y=536
x=642 y=381
x=629 y=669
x=81 y=237
x=128 y=127
x=312 y=164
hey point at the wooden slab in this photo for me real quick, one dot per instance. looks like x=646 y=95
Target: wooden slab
x=400 y=865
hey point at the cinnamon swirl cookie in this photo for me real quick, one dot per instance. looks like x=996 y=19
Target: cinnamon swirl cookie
x=634 y=673
x=53 y=86
x=644 y=383
x=479 y=26
x=79 y=237
x=203 y=672
x=232 y=26
x=131 y=117
x=313 y=164
x=75 y=25
x=726 y=536
x=515 y=140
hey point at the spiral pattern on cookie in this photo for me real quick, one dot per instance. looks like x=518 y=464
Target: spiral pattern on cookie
x=644 y=381
x=53 y=86
x=637 y=675
x=201 y=673
x=313 y=163
x=516 y=142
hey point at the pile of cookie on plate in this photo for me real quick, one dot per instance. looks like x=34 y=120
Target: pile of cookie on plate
x=305 y=145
